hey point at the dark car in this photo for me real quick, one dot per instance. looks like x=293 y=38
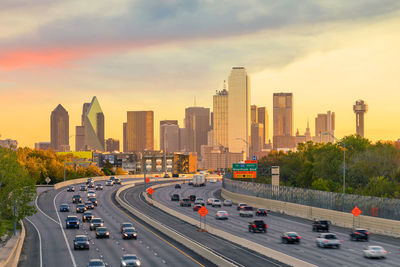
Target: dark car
x=258 y=226
x=91 y=185
x=93 y=200
x=80 y=208
x=81 y=242
x=174 y=197
x=129 y=232
x=64 y=208
x=96 y=263
x=177 y=186
x=99 y=187
x=87 y=216
x=261 y=212
x=71 y=188
x=72 y=222
x=290 y=237
x=76 y=199
x=175 y=175
x=190 y=183
x=185 y=202
x=83 y=188
x=117 y=181
x=167 y=175
x=96 y=222
x=102 y=232
x=89 y=205
x=359 y=234
x=112 y=178
x=126 y=225
x=89 y=180
x=321 y=225
x=192 y=198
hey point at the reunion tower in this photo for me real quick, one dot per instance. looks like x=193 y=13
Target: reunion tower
x=360 y=108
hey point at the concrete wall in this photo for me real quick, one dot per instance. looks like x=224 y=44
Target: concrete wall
x=9 y=254
x=344 y=219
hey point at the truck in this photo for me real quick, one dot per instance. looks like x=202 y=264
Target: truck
x=199 y=180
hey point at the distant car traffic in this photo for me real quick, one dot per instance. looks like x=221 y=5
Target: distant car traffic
x=374 y=252
x=196 y=207
x=81 y=242
x=89 y=205
x=257 y=226
x=290 y=237
x=109 y=183
x=221 y=215
x=129 y=233
x=359 y=234
x=64 y=208
x=261 y=212
x=117 y=181
x=80 y=208
x=240 y=205
x=190 y=183
x=167 y=175
x=90 y=185
x=328 y=240
x=199 y=201
x=99 y=187
x=102 y=232
x=93 y=200
x=96 y=263
x=76 y=199
x=216 y=203
x=177 y=186
x=213 y=180
x=321 y=225
x=71 y=188
x=96 y=222
x=185 y=202
x=174 y=197
x=89 y=180
x=246 y=211
x=91 y=193
x=210 y=201
x=83 y=188
x=87 y=216
x=126 y=225
x=130 y=260
x=227 y=202
x=72 y=222
x=192 y=198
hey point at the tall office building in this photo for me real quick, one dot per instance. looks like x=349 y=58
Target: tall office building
x=59 y=124
x=239 y=111
x=360 y=108
x=220 y=121
x=262 y=116
x=94 y=126
x=253 y=114
x=112 y=145
x=80 y=130
x=124 y=146
x=169 y=136
x=197 y=124
x=139 y=131
x=283 y=121
x=257 y=138
x=325 y=127
x=259 y=115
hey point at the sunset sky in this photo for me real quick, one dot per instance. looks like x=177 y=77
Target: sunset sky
x=160 y=54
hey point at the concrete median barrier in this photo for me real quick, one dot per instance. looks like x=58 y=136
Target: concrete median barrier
x=9 y=254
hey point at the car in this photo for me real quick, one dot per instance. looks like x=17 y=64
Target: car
x=71 y=188
x=185 y=202
x=216 y=203
x=80 y=208
x=99 y=187
x=129 y=233
x=261 y=212
x=210 y=201
x=227 y=202
x=102 y=232
x=91 y=193
x=90 y=185
x=83 y=188
x=192 y=198
x=96 y=222
x=196 y=207
x=175 y=175
x=221 y=215
x=126 y=225
x=72 y=221
x=167 y=175
x=87 y=216
x=96 y=263
x=93 y=200
x=89 y=205
x=190 y=183
x=112 y=178
x=328 y=240
x=240 y=205
x=213 y=181
x=117 y=181
x=81 y=242
x=290 y=237
x=130 y=260
x=374 y=252
x=199 y=201
x=76 y=199
x=174 y=197
x=359 y=234
x=177 y=186
x=109 y=183
x=89 y=180
x=257 y=226
x=246 y=211
x=321 y=225
x=64 y=208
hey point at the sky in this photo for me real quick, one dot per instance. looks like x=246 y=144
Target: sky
x=162 y=54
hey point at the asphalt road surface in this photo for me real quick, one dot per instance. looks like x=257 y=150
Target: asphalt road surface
x=350 y=253
x=55 y=245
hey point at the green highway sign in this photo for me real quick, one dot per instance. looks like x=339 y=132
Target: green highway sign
x=244 y=166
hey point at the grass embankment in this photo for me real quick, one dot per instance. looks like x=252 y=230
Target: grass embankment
x=7 y=227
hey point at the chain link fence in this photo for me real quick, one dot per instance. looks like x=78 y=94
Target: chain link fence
x=388 y=208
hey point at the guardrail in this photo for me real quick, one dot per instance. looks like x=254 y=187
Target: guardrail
x=9 y=254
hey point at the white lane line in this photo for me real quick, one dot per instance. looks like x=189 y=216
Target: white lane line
x=40 y=243
x=62 y=229
x=37 y=206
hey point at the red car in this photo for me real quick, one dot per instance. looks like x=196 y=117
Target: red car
x=197 y=207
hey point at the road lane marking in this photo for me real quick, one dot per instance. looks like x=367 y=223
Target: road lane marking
x=40 y=243
x=63 y=232
x=37 y=206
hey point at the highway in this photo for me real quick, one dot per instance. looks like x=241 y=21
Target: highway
x=55 y=245
x=350 y=254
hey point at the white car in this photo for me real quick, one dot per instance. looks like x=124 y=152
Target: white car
x=374 y=252
x=210 y=201
x=213 y=181
x=91 y=193
x=221 y=215
x=199 y=201
x=216 y=203
x=328 y=240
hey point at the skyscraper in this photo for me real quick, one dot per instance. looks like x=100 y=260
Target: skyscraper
x=94 y=126
x=139 y=131
x=169 y=136
x=59 y=124
x=259 y=115
x=124 y=141
x=239 y=111
x=262 y=115
x=360 y=108
x=197 y=124
x=112 y=145
x=220 y=121
x=257 y=138
x=80 y=130
x=325 y=127
x=283 y=121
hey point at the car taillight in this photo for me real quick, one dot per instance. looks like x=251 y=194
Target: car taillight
x=340 y=241
x=367 y=233
x=254 y=226
x=266 y=226
x=326 y=241
x=358 y=234
x=384 y=251
x=298 y=237
x=289 y=237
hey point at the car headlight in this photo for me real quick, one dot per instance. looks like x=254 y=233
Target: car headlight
x=107 y=233
x=91 y=224
x=101 y=224
x=138 y=263
x=134 y=234
x=125 y=235
x=123 y=263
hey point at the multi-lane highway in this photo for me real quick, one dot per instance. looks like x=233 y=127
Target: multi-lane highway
x=48 y=243
x=350 y=254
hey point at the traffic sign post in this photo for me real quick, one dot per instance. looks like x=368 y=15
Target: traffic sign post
x=356 y=212
x=203 y=212
x=245 y=170
x=48 y=180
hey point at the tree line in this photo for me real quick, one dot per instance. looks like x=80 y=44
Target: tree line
x=372 y=169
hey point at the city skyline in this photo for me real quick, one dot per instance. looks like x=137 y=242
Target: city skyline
x=322 y=57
